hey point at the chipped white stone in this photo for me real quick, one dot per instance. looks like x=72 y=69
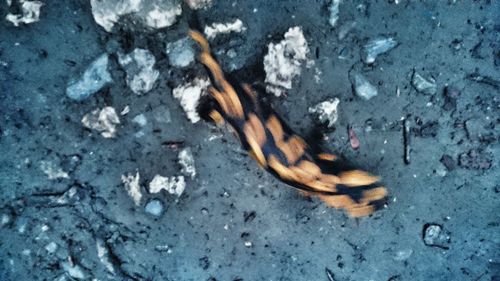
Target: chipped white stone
x=334 y=12
x=284 y=60
x=362 y=87
x=51 y=247
x=180 y=53
x=93 y=79
x=139 y=66
x=377 y=47
x=102 y=120
x=198 y=4
x=186 y=160
x=173 y=185
x=103 y=255
x=224 y=28
x=189 y=95
x=423 y=85
x=132 y=186
x=327 y=111
x=140 y=120
x=73 y=270
x=154 y=207
x=30 y=12
x=149 y=13
x=125 y=110
x=52 y=170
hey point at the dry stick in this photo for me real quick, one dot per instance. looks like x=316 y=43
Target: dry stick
x=406 y=140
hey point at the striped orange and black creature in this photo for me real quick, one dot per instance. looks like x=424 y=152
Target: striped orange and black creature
x=277 y=149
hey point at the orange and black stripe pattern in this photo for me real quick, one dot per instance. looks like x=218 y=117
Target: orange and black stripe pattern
x=280 y=151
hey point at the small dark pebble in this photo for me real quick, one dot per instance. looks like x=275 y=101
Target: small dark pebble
x=476 y=159
x=450 y=98
x=249 y=216
x=448 y=162
x=204 y=263
x=427 y=130
x=70 y=62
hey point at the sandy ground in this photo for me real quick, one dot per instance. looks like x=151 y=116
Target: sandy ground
x=66 y=215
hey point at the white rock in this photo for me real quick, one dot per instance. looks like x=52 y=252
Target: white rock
x=93 y=79
x=198 y=4
x=173 y=185
x=186 y=160
x=132 y=186
x=52 y=170
x=189 y=95
x=284 y=60
x=140 y=120
x=154 y=207
x=224 y=28
x=103 y=255
x=139 y=66
x=73 y=270
x=51 y=247
x=362 y=87
x=180 y=53
x=30 y=12
x=149 y=13
x=327 y=111
x=103 y=121
x=334 y=12
x=423 y=85
x=376 y=47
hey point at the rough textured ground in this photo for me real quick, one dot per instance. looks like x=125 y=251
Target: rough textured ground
x=451 y=184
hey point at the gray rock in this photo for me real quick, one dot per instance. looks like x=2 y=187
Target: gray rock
x=180 y=53
x=362 y=87
x=95 y=77
x=435 y=236
x=377 y=47
x=154 y=207
x=139 y=66
x=422 y=85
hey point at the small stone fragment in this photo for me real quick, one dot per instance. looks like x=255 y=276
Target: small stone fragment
x=186 y=160
x=334 y=12
x=189 y=95
x=139 y=66
x=422 y=85
x=51 y=247
x=95 y=77
x=403 y=255
x=224 y=28
x=140 y=120
x=173 y=185
x=103 y=255
x=52 y=170
x=353 y=139
x=435 y=236
x=327 y=111
x=448 y=162
x=198 y=4
x=284 y=60
x=151 y=14
x=362 y=87
x=180 y=53
x=132 y=186
x=377 y=47
x=476 y=159
x=450 y=98
x=30 y=13
x=154 y=207
x=103 y=121
x=204 y=262
x=74 y=270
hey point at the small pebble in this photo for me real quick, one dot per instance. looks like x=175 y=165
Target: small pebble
x=154 y=207
x=362 y=87
x=422 y=85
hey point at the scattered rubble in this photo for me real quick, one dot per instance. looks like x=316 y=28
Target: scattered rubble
x=362 y=87
x=284 y=60
x=94 y=78
x=154 y=207
x=327 y=111
x=180 y=53
x=376 y=47
x=189 y=95
x=422 y=85
x=435 y=236
x=334 y=12
x=103 y=121
x=131 y=184
x=476 y=159
x=186 y=161
x=53 y=171
x=153 y=14
x=138 y=65
x=224 y=28
x=30 y=12
x=173 y=185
